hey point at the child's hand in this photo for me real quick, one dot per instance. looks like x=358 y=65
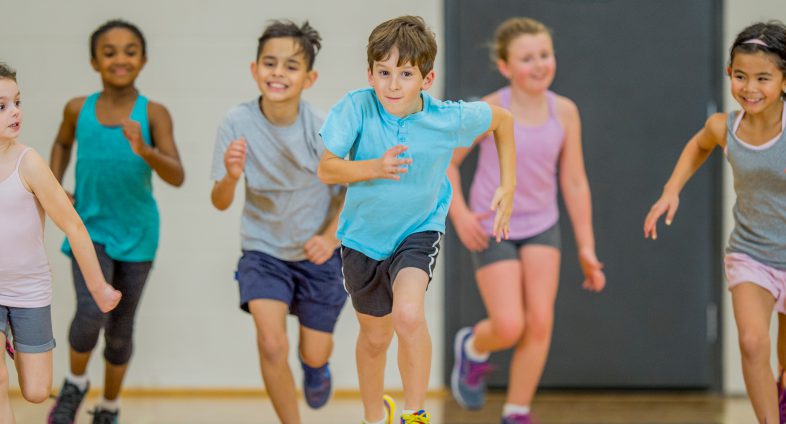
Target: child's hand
x=668 y=204
x=389 y=165
x=106 y=297
x=235 y=158
x=502 y=203
x=594 y=279
x=320 y=248
x=132 y=130
x=468 y=228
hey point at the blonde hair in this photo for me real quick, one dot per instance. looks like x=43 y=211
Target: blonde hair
x=510 y=30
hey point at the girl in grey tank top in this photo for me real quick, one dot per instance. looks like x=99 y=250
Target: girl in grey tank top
x=755 y=146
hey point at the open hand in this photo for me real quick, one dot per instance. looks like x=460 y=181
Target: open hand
x=667 y=204
x=390 y=165
x=502 y=203
x=469 y=230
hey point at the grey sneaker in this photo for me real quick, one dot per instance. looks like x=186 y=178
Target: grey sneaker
x=66 y=404
x=468 y=379
x=102 y=416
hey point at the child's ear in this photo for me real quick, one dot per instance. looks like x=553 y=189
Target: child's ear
x=311 y=78
x=428 y=80
x=502 y=67
x=728 y=70
x=370 y=77
x=253 y=69
x=94 y=63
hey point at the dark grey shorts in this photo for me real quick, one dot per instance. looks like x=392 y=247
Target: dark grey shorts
x=31 y=327
x=509 y=249
x=370 y=282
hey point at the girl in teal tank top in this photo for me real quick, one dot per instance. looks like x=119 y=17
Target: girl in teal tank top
x=122 y=139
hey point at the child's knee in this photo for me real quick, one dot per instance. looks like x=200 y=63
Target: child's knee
x=273 y=347
x=36 y=393
x=508 y=330
x=408 y=317
x=375 y=342
x=754 y=344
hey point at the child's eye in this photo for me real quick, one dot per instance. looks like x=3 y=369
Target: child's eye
x=384 y=73
x=293 y=68
x=18 y=103
x=406 y=74
x=2 y=106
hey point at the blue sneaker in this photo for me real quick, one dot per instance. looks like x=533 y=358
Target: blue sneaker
x=317 y=385
x=468 y=380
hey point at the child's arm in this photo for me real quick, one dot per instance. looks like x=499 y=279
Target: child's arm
x=320 y=248
x=162 y=157
x=335 y=170
x=234 y=161
x=578 y=200
x=466 y=222
x=40 y=180
x=64 y=141
x=502 y=202
x=693 y=155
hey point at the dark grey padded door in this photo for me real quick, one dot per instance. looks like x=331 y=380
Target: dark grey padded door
x=644 y=74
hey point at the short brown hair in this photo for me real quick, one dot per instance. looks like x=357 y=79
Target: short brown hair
x=304 y=35
x=512 y=29
x=415 y=42
x=6 y=72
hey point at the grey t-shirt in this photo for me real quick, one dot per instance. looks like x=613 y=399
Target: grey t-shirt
x=286 y=204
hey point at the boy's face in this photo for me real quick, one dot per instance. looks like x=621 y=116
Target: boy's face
x=10 y=114
x=398 y=87
x=119 y=57
x=281 y=71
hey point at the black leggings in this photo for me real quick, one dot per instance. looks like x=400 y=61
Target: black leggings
x=118 y=324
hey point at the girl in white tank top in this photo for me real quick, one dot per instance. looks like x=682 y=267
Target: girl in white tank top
x=27 y=191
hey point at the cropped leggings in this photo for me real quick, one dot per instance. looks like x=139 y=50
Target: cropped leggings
x=118 y=324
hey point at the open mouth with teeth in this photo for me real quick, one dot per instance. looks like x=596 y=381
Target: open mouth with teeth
x=14 y=126
x=277 y=86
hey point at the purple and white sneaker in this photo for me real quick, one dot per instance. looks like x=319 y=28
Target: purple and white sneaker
x=468 y=379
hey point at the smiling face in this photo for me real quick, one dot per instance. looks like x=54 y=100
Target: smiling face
x=118 y=57
x=397 y=86
x=281 y=71
x=10 y=113
x=530 y=63
x=756 y=82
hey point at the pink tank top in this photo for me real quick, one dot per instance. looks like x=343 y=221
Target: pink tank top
x=538 y=149
x=25 y=276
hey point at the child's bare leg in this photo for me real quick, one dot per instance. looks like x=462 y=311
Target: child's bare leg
x=273 y=344
x=6 y=415
x=315 y=347
x=371 y=355
x=414 y=341
x=35 y=375
x=752 y=311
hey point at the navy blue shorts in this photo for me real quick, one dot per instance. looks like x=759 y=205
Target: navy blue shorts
x=315 y=293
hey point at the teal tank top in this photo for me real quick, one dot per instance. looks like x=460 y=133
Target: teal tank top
x=114 y=191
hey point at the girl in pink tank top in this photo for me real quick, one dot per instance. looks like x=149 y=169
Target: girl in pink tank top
x=518 y=278
x=27 y=191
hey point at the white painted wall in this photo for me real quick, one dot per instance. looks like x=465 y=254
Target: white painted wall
x=739 y=14
x=190 y=332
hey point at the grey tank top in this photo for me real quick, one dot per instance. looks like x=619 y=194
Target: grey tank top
x=760 y=184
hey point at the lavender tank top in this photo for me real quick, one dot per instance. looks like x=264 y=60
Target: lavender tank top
x=25 y=276
x=538 y=149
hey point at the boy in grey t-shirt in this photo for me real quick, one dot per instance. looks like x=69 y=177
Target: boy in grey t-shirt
x=288 y=229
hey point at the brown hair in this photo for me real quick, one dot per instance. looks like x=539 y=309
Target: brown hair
x=415 y=42
x=304 y=35
x=512 y=29
x=6 y=72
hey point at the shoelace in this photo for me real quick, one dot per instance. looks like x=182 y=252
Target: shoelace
x=68 y=402
x=102 y=416
x=477 y=370
x=420 y=417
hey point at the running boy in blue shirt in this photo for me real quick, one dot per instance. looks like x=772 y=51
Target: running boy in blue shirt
x=290 y=261
x=398 y=141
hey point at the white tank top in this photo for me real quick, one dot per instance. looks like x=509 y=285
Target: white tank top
x=25 y=275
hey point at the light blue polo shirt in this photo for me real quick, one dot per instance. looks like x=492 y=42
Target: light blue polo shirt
x=379 y=214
